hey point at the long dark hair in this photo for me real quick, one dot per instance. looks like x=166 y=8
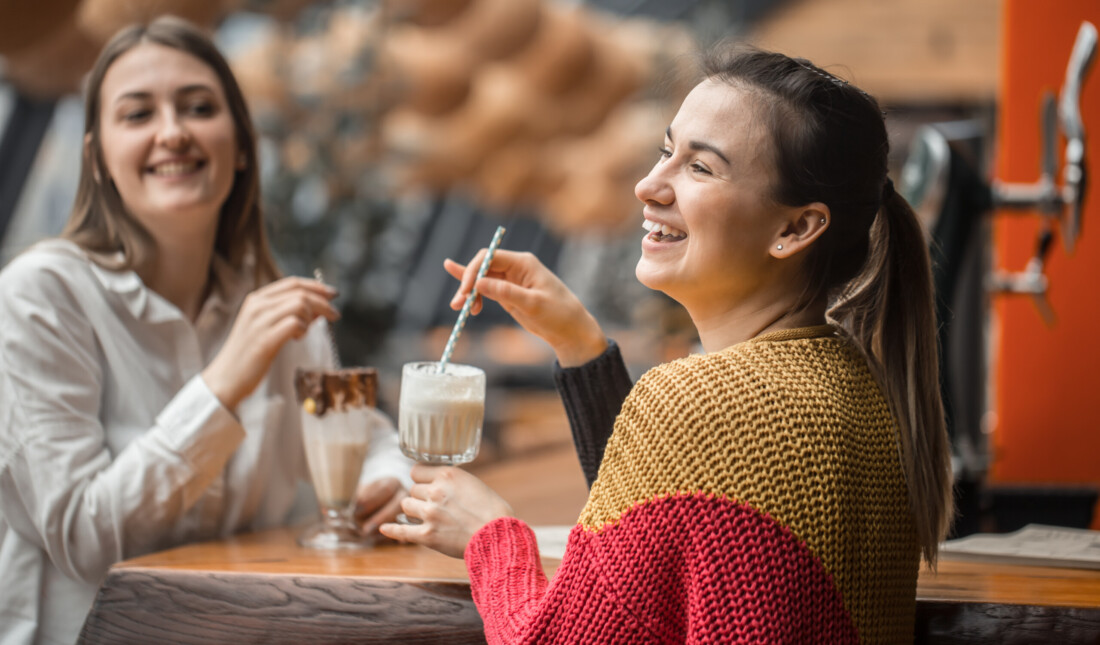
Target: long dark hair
x=871 y=265
x=100 y=222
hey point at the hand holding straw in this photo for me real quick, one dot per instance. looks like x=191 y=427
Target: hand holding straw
x=319 y=277
x=465 y=313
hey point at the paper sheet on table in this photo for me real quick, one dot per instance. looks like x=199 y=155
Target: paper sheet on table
x=552 y=540
x=1035 y=544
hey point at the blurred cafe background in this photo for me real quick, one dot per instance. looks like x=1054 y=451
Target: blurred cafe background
x=397 y=133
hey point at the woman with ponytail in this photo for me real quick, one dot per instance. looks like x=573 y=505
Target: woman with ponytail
x=783 y=485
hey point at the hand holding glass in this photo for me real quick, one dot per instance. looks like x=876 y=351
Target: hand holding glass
x=441 y=414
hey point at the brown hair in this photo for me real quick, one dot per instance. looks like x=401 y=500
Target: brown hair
x=100 y=222
x=871 y=265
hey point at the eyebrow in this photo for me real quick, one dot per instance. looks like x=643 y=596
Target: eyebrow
x=186 y=89
x=700 y=145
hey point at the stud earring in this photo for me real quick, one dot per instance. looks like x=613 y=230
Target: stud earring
x=779 y=246
x=822 y=220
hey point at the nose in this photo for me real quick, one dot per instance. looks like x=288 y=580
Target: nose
x=173 y=133
x=654 y=188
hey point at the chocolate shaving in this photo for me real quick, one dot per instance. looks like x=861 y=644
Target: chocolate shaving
x=352 y=387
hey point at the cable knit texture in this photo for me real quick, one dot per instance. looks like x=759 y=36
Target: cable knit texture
x=750 y=495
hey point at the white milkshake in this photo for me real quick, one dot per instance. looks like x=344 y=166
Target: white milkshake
x=441 y=414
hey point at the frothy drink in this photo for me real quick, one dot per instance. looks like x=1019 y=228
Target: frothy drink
x=336 y=421
x=335 y=453
x=441 y=413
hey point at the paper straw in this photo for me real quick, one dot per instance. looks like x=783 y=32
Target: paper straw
x=319 y=277
x=465 y=313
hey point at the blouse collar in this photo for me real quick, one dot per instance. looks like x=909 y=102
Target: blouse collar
x=229 y=286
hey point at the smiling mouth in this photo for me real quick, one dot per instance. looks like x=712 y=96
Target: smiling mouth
x=662 y=232
x=176 y=168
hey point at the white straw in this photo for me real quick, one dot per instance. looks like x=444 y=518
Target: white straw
x=319 y=277
x=465 y=313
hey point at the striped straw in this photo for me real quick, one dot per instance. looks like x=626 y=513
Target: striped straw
x=465 y=313
x=320 y=277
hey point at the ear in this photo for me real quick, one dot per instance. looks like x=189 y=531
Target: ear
x=804 y=225
x=242 y=160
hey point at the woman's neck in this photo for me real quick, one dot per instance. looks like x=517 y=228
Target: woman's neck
x=179 y=271
x=720 y=328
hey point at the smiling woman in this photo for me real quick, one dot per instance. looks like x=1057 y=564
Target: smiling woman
x=168 y=142
x=783 y=485
x=711 y=163
x=143 y=109
x=147 y=357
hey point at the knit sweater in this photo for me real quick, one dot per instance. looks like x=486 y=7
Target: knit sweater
x=745 y=496
x=593 y=394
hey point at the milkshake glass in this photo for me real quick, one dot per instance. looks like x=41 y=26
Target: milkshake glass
x=336 y=407
x=441 y=413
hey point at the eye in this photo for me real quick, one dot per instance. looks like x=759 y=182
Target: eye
x=136 y=115
x=200 y=108
x=700 y=168
x=665 y=152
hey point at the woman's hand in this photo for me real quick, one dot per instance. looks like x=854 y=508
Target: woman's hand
x=269 y=317
x=452 y=505
x=377 y=503
x=537 y=299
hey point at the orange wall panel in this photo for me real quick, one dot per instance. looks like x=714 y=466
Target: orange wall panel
x=1047 y=379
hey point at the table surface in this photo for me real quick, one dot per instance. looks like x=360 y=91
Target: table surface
x=276 y=552
x=276 y=591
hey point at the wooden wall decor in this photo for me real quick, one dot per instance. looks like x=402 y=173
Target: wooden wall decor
x=23 y=24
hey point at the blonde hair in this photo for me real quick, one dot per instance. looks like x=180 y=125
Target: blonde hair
x=100 y=222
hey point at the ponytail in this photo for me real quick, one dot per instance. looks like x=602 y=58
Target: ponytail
x=871 y=263
x=888 y=311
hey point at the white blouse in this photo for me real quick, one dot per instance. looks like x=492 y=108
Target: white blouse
x=111 y=444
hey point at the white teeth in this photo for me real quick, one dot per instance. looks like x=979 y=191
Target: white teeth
x=662 y=229
x=175 y=168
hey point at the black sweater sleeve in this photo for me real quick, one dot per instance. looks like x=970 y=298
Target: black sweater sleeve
x=593 y=394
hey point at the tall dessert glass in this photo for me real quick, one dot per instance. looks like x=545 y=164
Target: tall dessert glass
x=336 y=426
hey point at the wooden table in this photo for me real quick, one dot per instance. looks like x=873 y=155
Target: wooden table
x=263 y=588
x=972 y=602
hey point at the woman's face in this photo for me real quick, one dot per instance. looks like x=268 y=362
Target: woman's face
x=168 y=139
x=709 y=217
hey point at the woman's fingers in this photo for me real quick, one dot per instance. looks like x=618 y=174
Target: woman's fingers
x=385 y=514
x=515 y=299
x=269 y=317
x=455 y=269
x=469 y=275
x=412 y=533
x=293 y=283
x=414 y=507
x=510 y=266
x=373 y=496
x=303 y=306
x=465 y=274
x=425 y=474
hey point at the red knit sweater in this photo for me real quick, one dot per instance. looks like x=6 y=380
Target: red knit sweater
x=722 y=517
